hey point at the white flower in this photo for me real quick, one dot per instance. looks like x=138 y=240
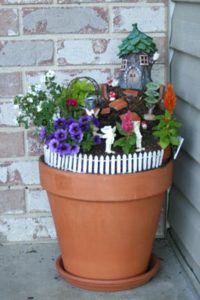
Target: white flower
x=29 y=90
x=29 y=99
x=115 y=83
x=156 y=56
x=38 y=87
x=39 y=108
x=50 y=74
x=15 y=106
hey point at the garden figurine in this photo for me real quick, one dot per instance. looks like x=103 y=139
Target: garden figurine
x=109 y=135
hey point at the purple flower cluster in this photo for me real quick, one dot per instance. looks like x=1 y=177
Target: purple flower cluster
x=68 y=134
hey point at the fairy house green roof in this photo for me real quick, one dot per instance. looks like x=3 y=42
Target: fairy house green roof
x=137 y=42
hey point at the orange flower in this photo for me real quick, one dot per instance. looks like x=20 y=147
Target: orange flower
x=170 y=99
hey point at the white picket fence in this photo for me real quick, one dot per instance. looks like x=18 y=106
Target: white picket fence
x=113 y=164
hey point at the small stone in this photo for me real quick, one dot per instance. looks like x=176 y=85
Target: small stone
x=118 y=104
x=105 y=111
x=134 y=93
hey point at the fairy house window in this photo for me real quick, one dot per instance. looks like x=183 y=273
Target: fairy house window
x=144 y=60
x=124 y=64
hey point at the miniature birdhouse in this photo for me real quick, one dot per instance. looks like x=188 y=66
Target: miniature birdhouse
x=137 y=52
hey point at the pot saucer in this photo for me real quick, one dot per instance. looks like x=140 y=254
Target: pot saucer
x=109 y=285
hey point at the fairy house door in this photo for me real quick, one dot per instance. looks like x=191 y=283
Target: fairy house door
x=133 y=77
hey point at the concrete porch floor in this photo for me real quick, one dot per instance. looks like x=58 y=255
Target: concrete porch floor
x=27 y=272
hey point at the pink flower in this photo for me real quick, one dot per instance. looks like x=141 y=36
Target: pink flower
x=72 y=102
x=112 y=94
x=127 y=124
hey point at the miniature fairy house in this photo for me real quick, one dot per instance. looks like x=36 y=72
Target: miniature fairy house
x=138 y=56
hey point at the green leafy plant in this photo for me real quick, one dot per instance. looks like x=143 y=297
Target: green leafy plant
x=79 y=89
x=39 y=106
x=167 y=128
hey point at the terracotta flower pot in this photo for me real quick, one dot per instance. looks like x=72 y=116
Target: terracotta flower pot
x=106 y=225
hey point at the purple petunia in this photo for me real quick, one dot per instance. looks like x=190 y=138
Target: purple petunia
x=84 y=127
x=60 y=123
x=74 y=149
x=61 y=134
x=42 y=133
x=53 y=145
x=75 y=129
x=78 y=137
x=97 y=140
x=49 y=138
x=84 y=119
x=69 y=121
x=64 y=149
x=95 y=121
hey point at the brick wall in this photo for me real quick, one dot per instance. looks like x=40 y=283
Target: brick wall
x=72 y=37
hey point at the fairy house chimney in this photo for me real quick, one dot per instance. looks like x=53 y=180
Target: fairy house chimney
x=137 y=52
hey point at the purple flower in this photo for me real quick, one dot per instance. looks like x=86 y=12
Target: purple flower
x=61 y=134
x=69 y=121
x=78 y=137
x=84 y=119
x=95 y=121
x=60 y=123
x=84 y=127
x=42 y=133
x=53 y=145
x=97 y=140
x=74 y=129
x=49 y=138
x=74 y=149
x=64 y=149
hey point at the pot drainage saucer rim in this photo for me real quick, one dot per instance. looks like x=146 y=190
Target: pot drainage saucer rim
x=109 y=285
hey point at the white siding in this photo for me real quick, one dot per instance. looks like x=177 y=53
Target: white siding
x=184 y=209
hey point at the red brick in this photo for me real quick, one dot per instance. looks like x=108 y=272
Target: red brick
x=9 y=25
x=19 y=172
x=65 y=20
x=26 y=53
x=10 y=84
x=35 y=148
x=8 y=114
x=20 y=2
x=12 y=201
x=64 y=77
x=12 y=144
x=149 y=18
x=103 y=1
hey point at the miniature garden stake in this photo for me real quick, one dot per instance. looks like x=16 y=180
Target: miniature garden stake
x=136 y=129
x=151 y=98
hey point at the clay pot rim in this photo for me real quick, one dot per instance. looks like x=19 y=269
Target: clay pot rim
x=130 y=186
